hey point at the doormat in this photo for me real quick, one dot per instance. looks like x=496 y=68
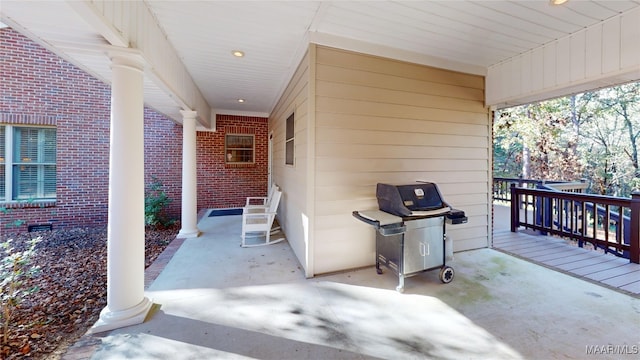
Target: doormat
x=224 y=212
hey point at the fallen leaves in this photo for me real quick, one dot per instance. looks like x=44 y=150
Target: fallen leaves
x=73 y=285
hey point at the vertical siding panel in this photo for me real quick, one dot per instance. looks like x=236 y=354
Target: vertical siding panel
x=611 y=45
x=525 y=74
x=121 y=17
x=537 y=69
x=493 y=80
x=507 y=81
x=516 y=67
x=578 y=56
x=563 y=61
x=594 y=51
x=630 y=39
x=549 y=64
x=605 y=53
x=99 y=5
x=503 y=80
x=108 y=11
x=118 y=15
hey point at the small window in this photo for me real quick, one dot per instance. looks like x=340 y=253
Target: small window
x=34 y=163
x=27 y=163
x=239 y=148
x=289 y=147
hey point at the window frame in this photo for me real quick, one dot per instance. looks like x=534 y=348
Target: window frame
x=228 y=151
x=289 y=142
x=43 y=168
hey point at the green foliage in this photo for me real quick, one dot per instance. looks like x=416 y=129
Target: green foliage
x=155 y=203
x=593 y=136
x=14 y=223
x=15 y=268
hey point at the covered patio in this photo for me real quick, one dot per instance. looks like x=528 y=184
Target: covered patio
x=400 y=100
x=218 y=300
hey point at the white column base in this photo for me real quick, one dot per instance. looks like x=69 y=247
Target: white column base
x=111 y=320
x=187 y=233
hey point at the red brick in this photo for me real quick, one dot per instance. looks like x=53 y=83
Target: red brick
x=39 y=88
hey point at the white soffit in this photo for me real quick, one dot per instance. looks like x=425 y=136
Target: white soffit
x=460 y=35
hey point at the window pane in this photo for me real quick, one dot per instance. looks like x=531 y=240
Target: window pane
x=49 y=183
x=290 y=132
x=288 y=148
x=49 y=146
x=26 y=145
x=25 y=181
x=239 y=148
x=289 y=152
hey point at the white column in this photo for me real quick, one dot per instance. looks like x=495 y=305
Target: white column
x=126 y=302
x=189 y=177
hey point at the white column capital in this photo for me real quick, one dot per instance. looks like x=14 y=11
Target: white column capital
x=125 y=57
x=189 y=114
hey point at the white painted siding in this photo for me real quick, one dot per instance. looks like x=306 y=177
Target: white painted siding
x=601 y=55
x=381 y=120
x=130 y=23
x=293 y=213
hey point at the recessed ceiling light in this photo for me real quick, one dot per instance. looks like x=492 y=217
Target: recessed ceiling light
x=237 y=53
x=240 y=100
x=557 y=2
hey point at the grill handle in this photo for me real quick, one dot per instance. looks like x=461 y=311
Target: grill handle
x=375 y=223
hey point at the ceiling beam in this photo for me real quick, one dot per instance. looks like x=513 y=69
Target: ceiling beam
x=99 y=23
x=131 y=24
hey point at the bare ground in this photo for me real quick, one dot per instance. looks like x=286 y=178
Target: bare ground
x=73 y=285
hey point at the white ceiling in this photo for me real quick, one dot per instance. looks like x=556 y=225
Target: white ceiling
x=461 y=35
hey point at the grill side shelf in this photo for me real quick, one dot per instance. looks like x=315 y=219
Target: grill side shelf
x=387 y=226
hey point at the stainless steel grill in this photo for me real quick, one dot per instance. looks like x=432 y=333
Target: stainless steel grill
x=411 y=229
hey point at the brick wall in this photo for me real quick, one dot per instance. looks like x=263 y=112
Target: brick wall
x=163 y=157
x=39 y=88
x=222 y=185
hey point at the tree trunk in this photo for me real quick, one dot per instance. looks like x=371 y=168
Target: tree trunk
x=526 y=162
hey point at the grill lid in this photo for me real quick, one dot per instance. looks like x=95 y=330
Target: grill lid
x=421 y=198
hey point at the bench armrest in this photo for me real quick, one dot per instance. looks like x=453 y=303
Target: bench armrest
x=262 y=200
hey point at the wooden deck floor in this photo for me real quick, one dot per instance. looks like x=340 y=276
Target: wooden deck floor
x=555 y=253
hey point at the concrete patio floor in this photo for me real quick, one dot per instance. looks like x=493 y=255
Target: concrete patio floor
x=221 y=301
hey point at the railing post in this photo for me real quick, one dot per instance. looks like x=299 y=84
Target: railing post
x=543 y=214
x=515 y=206
x=634 y=241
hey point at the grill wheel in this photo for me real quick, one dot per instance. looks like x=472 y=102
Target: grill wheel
x=446 y=274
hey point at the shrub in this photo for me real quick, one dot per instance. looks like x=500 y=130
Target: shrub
x=155 y=203
x=15 y=268
x=14 y=223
